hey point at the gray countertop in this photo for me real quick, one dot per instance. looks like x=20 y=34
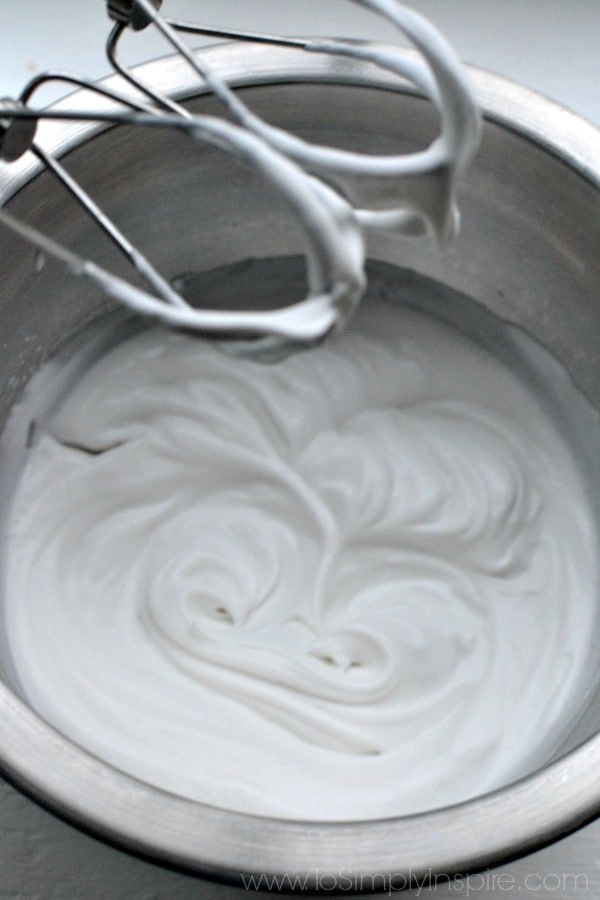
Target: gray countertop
x=548 y=45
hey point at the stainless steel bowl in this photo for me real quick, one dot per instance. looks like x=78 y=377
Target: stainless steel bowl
x=528 y=253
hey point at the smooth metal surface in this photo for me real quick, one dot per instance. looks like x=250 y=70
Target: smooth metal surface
x=528 y=252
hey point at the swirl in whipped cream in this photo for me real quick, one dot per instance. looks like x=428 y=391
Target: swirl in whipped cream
x=351 y=585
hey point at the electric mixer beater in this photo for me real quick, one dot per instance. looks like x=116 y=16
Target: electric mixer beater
x=336 y=196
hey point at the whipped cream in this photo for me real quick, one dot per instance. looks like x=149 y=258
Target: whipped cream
x=352 y=585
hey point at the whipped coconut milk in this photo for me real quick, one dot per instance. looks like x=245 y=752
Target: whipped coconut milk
x=354 y=584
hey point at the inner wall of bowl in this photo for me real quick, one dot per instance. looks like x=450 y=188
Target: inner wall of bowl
x=527 y=250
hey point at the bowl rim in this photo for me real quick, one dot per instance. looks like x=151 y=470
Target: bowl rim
x=231 y=846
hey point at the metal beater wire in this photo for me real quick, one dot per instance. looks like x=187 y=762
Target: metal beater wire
x=333 y=227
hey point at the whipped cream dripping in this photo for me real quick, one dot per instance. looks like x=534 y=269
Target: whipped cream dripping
x=353 y=585
x=412 y=194
x=336 y=196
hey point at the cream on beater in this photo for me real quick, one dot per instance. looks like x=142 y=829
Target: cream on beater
x=336 y=196
x=353 y=585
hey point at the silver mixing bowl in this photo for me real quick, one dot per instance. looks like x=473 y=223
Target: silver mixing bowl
x=528 y=253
